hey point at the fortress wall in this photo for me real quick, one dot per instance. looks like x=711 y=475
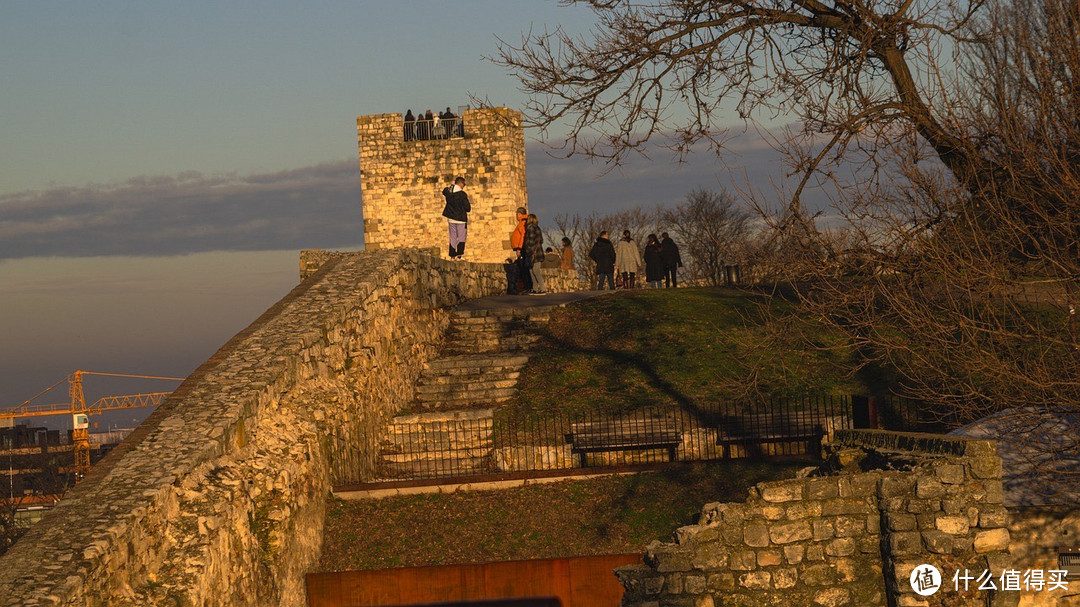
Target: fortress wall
x=218 y=497
x=401 y=182
x=852 y=537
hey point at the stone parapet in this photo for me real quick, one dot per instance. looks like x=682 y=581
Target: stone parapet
x=884 y=504
x=218 y=497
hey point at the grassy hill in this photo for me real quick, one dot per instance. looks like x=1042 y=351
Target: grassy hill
x=679 y=347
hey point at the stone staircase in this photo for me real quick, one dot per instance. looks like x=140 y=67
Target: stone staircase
x=482 y=358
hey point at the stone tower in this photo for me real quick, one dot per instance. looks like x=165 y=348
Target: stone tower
x=401 y=181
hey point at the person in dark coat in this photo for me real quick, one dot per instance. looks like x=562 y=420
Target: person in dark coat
x=456 y=213
x=534 y=252
x=672 y=261
x=654 y=262
x=410 y=126
x=603 y=253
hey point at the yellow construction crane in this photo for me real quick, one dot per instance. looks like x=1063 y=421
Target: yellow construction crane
x=80 y=412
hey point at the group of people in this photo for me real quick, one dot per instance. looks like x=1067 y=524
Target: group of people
x=622 y=261
x=432 y=126
x=523 y=271
x=661 y=260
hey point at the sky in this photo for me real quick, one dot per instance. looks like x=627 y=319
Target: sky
x=162 y=163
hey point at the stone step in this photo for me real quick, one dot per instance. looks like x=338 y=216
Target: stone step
x=482 y=345
x=466 y=400
x=478 y=363
x=479 y=395
x=429 y=383
x=503 y=313
x=466 y=386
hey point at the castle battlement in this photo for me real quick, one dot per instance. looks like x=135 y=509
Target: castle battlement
x=402 y=180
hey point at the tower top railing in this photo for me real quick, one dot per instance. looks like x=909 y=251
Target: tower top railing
x=436 y=128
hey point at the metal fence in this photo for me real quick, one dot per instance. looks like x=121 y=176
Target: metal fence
x=463 y=444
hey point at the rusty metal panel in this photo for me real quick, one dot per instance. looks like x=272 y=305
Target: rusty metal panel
x=585 y=581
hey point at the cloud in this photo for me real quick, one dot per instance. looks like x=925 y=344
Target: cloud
x=316 y=206
x=319 y=206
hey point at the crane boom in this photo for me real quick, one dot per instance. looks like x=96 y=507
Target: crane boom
x=80 y=412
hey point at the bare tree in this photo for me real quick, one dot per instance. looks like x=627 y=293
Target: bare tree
x=954 y=256
x=713 y=231
x=583 y=230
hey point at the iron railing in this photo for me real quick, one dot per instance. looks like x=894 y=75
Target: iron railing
x=462 y=445
x=439 y=128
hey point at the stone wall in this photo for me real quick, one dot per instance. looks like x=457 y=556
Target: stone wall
x=888 y=503
x=218 y=497
x=401 y=182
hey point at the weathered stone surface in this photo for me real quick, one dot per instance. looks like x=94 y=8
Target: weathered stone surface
x=955 y=525
x=219 y=496
x=991 y=539
x=791 y=532
x=785 y=491
x=756 y=580
x=401 y=182
x=756 y=535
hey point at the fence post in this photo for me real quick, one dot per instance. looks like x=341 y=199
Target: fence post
x=864 y=412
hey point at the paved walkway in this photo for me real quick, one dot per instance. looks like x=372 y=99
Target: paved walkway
x=506 y=302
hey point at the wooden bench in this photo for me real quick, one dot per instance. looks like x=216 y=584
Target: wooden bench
x=626 y=434
x=761 y=428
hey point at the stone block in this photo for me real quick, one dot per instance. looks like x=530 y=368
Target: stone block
x=823 y=529
x=768 y=558
x=833 y=597
x=991 y=539
x=794 y=553
x=905 y=543
x=954 y=525
x=791 y=532
x=694 y=584
x=772 y=513
x=744 y=560
x=815 y=552
x=784 y=491
x=897 y=486
x=950 y=474
x=818 y=575
x=724 y=580
x=849 y=526
x=756 y=535
x=927 y=487
x=785 y=577
x=710 y=555
x=900 y=521
x=843 y=546
x=756 y=580
x=803 y=509
x=938 y=542
x=986 y=467
x=993 y=517
x=822 y=488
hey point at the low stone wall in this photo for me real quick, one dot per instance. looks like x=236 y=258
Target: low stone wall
x=852 y=537
x=218 y=497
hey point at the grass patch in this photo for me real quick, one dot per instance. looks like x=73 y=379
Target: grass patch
x=607 y=515
x=681 y=347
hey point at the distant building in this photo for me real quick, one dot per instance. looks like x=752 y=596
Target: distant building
x=402 y=178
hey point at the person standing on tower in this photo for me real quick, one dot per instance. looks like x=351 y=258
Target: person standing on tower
x=456 y=213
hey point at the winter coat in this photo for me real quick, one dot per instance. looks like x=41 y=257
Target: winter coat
x=517 y=237
x=457 y=205
x=669 y=251
x=627 y=256
x=534 y=244
x=603 y=253
x=654 y=263
x=567 y=259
